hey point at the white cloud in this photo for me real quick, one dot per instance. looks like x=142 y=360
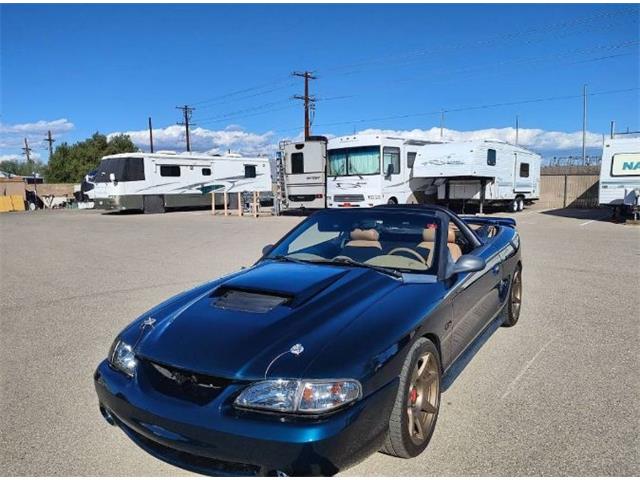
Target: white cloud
x=12 y=135
x=14 y=157
x=232 y=138
x=533 y=138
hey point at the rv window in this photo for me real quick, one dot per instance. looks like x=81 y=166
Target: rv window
x=524 y=170
x=391 y=156
x=297 y=162
x=411 y=159
x=124 y=169
x=354 y=161
x=250 y=171
x=491 y=157
x=169 y=170
x=206 y=172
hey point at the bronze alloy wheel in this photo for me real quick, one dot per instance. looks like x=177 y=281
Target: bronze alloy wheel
x=415 y=411
x=515 y=299
x=423 y=398
x=516 y=294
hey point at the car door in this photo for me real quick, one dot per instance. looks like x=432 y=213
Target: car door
x=476 y=300
x=391 y=171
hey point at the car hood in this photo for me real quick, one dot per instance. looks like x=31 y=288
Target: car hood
x=237 y=328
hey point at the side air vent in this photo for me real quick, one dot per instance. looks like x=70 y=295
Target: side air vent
x=252 y=302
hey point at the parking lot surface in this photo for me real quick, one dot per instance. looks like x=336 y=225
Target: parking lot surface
x=558 y=394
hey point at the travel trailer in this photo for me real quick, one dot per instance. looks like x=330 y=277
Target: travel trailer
x=366 y=170
x=482 y=172
x=301 y=176
x=620 y=173
x=152 y=182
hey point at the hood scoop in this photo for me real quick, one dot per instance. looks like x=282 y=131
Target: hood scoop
x=245 y=301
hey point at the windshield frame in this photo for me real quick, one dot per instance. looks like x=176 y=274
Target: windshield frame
x=347 y=169
x=435 y=269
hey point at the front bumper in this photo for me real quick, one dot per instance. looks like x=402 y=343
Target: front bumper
x=218 y=439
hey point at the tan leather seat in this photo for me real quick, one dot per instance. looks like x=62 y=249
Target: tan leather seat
x=429 y=242
x=364 y=238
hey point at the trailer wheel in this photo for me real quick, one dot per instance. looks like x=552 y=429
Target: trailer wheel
x=520 y=204
x=513 y=207
x=392 y=201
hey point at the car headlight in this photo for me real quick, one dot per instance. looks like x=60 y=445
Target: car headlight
x=122 y=357
x=301 y=396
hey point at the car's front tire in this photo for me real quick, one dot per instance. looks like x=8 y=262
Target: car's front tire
x=417 y=404
x=515 y=299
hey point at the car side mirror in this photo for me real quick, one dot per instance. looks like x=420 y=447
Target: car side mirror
x=468 y=263
x=112 y=177
x=266 y=249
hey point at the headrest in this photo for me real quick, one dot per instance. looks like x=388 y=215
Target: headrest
x=370 y=235
x=429 y=235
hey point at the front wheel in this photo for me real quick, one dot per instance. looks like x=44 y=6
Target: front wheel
x=515 y=299
x=414 y=415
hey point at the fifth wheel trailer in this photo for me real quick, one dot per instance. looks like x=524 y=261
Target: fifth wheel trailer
x=484 y=172
x=152 y=182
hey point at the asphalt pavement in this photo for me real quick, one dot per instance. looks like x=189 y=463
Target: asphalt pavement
x=558 y=394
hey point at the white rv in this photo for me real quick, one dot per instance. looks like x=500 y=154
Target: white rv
x=366 y=170
x=152 y=182
x=483 y=172
x=301 y=173
x=620 y=173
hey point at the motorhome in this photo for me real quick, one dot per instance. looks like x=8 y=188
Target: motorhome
x=301 y=173
x=620 y=173
x=152 y=182
x=365 y=170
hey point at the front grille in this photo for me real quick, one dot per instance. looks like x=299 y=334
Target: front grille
x=196 y=463
x=182 y=384
x=348 y=198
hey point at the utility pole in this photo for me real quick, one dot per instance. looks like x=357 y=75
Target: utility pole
x=584 y=124
x=150 y=136
x=441 y=124
x=186 y=115
x=50 y=141
x=309 y=101
x=517 y=128
x=26 y=150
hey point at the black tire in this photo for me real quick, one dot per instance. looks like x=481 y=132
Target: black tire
x=153 y=204
x=400 y=441
x=514 y=305
x=392 y=201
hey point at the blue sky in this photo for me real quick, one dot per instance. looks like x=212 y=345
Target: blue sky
x=81 y=68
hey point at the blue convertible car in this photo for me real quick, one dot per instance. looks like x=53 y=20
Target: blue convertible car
x=334 y=345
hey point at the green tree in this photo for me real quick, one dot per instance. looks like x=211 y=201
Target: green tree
x=70 y=163
x=23 y=169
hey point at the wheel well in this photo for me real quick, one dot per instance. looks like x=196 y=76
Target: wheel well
x=436 y=341
x=394 y=199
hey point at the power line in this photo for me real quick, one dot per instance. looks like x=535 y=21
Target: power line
x=186 y=115
x=469 y=108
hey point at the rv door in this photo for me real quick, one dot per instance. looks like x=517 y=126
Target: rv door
x=522 y=175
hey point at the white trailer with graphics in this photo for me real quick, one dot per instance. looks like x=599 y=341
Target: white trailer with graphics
x=619 y=186
x=366 y=170
x=300 y=169
x=152 y=182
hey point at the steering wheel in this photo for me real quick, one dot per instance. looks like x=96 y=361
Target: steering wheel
x=408 y=250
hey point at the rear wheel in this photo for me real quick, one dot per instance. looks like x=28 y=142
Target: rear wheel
x=515 y=299
x=513 y=206
x=520 y=204
x=415 y=412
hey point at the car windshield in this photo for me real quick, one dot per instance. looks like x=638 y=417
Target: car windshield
x=390 y=240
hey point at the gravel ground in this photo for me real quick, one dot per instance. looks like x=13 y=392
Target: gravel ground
x=556 y=395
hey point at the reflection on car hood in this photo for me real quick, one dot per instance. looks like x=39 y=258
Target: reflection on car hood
x=235 y=329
